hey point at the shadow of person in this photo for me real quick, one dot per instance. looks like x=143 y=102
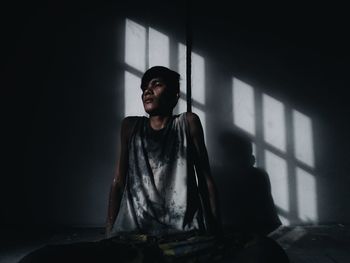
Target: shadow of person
x=247 y=199
x=248 y=209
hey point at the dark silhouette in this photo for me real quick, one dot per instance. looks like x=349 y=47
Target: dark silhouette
x=250 y=213
x=247 y=188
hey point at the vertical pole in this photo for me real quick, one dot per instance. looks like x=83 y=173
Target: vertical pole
x=188 y=56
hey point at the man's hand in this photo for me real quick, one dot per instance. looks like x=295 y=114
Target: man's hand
x=109 y=228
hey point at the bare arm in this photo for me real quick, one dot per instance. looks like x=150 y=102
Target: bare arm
x=117 y=187
x=206 y=182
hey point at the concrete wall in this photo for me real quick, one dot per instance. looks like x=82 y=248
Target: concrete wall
x=281 y=83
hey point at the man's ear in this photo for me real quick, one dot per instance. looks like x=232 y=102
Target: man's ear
x=177 y=96
x=252 y=160
x=176 y=99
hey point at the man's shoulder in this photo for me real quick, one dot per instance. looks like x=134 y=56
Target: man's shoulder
x=191 y=117
x=193 y=120
x=193 y=123
x=131 y=119
x=129 y=122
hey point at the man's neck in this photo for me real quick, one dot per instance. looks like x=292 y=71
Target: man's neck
x=158 y=122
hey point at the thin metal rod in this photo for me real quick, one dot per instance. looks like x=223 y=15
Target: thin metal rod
x=188 y=56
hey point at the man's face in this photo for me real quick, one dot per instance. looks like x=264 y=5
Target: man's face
x=156 y=97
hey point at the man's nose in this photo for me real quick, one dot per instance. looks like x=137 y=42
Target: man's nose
x=149 y=88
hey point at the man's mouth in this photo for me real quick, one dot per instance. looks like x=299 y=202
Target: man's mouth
x=148 y=100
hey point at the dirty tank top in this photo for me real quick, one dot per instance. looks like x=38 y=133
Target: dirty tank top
x=161 y=194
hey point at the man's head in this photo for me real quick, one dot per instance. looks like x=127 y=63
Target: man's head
x=160 y=90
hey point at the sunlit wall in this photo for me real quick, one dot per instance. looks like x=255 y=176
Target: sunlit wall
x=289 y=164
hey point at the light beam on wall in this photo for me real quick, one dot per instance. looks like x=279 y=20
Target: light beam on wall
x=243 y=106
x=198 y=78
x=181 y=59
x=132 y=95
x=306 y=191
x=135 y=45
x=274 y=122
x=303 y=139
x=198 y=88
x=158 y=48
x=277 y=170
x=182 y=66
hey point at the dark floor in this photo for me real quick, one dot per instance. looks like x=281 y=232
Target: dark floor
x=315 y=244
x=303 y=244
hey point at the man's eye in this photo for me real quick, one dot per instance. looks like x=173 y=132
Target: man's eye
x=159 y=83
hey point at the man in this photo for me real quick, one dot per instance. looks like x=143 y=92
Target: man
x=162 y=183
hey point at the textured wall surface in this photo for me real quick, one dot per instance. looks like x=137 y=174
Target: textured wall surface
x=70 y=76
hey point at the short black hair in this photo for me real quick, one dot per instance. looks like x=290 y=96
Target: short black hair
x=170 y=77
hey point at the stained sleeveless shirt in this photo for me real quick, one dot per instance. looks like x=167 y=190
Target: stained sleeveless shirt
x=161 y=194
